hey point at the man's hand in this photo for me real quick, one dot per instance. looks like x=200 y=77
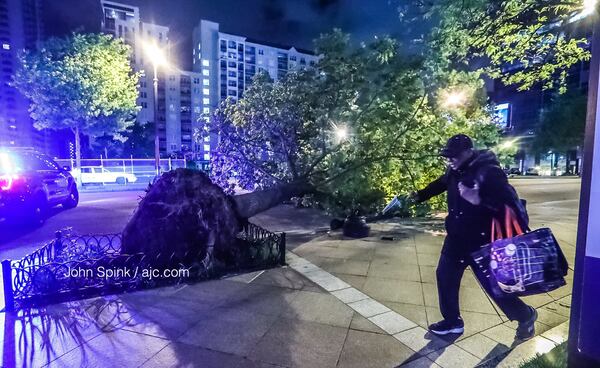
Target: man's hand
x=413 y=197
x=470 y=195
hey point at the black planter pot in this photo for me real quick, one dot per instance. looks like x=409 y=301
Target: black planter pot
x=356 y=227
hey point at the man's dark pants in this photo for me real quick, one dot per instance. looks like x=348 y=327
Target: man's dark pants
x=449 y=274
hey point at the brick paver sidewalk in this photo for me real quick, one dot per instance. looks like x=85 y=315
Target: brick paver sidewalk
x=340 y=303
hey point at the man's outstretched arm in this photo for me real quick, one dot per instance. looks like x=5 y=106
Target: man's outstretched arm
x=436 y=187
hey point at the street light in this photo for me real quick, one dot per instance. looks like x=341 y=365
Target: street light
x=157 y=58
x=454 y=98
x=589 y=6
x=340 y=132
x=507 y=145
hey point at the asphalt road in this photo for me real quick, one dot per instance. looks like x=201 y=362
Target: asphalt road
x=97 y=213
x=101 y=213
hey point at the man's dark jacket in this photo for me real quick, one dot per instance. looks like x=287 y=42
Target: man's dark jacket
x=469 y=226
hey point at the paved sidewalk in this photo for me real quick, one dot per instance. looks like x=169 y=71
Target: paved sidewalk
x=340 y=303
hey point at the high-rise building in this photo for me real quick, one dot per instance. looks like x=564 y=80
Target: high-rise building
x=228 y=63
x=20 y=28
x=179 y=101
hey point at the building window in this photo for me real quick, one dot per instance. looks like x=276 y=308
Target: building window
x=232 y=44
x=206 y=101
x=199 y=46
x=207 y=156
x=231 y=64
x=206 y=91
x=223 y=45
x=232 y=55
x=206 y=110
x=6 y=46
x=205 y=62
x=144 y=105
x=196 y=80
x=232 y=92
x=232 y=83
x=143 y=94
x=207 y=139
x=232 y=74
x=261 y=51
x=312 y=63
x=293 y=58
x=205 y=72
x=206 y=82
x=302 y=61
x=207 y=147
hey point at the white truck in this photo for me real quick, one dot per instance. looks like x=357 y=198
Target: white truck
x=100 y=175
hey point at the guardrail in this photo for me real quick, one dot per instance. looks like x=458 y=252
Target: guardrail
x=45 y=276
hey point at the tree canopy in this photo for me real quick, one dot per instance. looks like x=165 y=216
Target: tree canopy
x=360 y=126
x=83 y=82
x=522 y=42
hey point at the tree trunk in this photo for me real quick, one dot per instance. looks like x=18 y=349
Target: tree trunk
x=77 y=154
x=250 y=204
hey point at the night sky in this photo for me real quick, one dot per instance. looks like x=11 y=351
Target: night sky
x=288 y=22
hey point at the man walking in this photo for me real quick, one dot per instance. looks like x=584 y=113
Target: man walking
x=477 y=191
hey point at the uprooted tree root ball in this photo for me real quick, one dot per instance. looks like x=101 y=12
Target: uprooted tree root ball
x=183 y=213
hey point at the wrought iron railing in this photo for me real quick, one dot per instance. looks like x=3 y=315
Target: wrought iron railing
x=75 y=267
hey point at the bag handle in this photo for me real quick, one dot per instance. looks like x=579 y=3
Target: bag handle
x=496 y=230
x=510 y=218
x=510 y=223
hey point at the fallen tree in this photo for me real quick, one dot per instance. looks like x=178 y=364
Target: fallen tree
x=184 y=214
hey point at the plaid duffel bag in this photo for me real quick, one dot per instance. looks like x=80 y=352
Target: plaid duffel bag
x=521 y=263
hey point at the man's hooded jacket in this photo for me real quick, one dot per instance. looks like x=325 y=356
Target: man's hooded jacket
x=469 y=226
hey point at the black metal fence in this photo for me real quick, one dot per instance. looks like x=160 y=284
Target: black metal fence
x=75 y=267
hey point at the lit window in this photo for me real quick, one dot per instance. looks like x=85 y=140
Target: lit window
x=6 y=46
x=207 y=156
x=199 y=46
x=206 y=82
x=205 y=62
x=206 y=91
x=207 y=139
x=205 y=72
x=206 y=101
x=206 y=110
x=207 y=147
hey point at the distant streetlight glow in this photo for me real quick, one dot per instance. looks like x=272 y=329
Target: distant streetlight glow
x=588 y=7
x=454 y=98
x=155 y=54
x=341 y=133
x=508 y=144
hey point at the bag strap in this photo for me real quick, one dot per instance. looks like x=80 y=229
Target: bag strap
x=511 y=225
x=511 y=222
x=496 y=230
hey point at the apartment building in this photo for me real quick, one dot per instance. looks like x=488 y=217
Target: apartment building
x=20 y=28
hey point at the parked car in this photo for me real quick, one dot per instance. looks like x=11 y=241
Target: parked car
x=513 y=171
x=100 y=175
x=30 y=184
x=532 y=171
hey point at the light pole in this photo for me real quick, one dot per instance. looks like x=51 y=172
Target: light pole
x=157 y=58
x=584 y=324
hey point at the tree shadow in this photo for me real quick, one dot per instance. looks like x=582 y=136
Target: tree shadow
x=34 y=337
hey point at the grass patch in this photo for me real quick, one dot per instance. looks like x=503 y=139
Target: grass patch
x=555 y=358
